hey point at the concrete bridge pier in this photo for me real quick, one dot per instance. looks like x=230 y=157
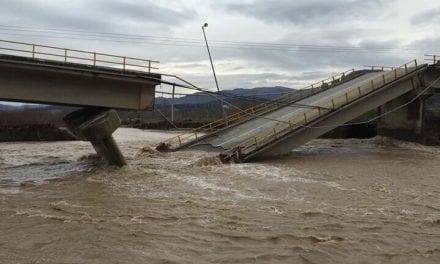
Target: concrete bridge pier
x=406 y=123
x=97 y=126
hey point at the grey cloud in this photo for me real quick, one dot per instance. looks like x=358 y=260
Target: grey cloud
x=426 y=17
x=320 y=22
x=303 y=57
x=109 y=16
x=230 y=81
x=426 y=46
x=308 y=11
x=145 y=11
x=311 y=75
x=41 y=14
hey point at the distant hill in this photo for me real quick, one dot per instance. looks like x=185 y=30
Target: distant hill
x=265 y=93
x=7 y=107
x=199 y=98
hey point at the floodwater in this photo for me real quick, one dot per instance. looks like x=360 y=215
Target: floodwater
x=331 y=201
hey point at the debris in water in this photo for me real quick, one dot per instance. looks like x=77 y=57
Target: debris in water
x=149 y=152
x=208 y=161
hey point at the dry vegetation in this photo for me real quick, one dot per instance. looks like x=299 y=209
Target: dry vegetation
x=32 y=124
x=30 y=117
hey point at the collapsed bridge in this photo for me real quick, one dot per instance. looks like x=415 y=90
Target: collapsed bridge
x=276 y=127
x=100 y=82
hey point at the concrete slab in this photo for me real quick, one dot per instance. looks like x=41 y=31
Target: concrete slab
x=25 y=79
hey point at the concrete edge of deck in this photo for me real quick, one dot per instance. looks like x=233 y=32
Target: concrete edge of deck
x=31 y=80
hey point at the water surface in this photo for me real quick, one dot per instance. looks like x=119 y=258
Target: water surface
x=331 y=201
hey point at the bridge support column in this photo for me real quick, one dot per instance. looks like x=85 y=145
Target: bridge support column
x=97 y=125
x=405 y=123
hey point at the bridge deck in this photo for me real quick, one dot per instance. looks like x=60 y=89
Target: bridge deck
x=33 y=80
x=232 y=137
x=279 y=131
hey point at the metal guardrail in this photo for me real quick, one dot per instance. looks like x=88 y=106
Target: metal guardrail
x=433 y=58
x=378 y=67
x=253 y=143
x=258 y=109
x=77 y=56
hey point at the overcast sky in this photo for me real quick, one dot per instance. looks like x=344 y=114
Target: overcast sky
x=254 y=42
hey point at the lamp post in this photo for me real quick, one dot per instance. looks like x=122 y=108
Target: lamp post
x=210 y=58
x=212 y=65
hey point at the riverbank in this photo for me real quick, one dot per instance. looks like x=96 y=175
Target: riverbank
x=35 y=132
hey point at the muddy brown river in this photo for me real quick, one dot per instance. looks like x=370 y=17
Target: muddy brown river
x=331 y=201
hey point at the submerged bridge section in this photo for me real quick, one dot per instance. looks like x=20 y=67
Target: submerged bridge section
x=286 y=125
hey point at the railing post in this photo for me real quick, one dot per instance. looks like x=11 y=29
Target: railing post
x=123 y=63
x=372 y=84
x=395 y=73
x=149 y=65
x=406 y=68
x=290 y=123
x=33 y=51
x=275 y=131
x=256 y=141
x=346 y=97
x=333 y=104
x=383 y=79
x=305 y=118
x=94 y=58
x=415 y=62
x=180 y=141
x=65 y=55
x=172 y=101
x=359 y=90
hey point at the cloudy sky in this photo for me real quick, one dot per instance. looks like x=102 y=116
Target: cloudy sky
x=254 y=42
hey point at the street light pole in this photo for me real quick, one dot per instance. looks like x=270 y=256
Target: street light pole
x=210 y=58
x=212 y=66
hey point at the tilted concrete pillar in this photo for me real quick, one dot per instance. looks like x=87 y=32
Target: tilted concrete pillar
x=97 y=125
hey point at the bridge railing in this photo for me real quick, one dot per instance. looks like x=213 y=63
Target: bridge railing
x=378 y=67
x=303 y=120
x=76 y=56
x=432 y=58
x=256 y=110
